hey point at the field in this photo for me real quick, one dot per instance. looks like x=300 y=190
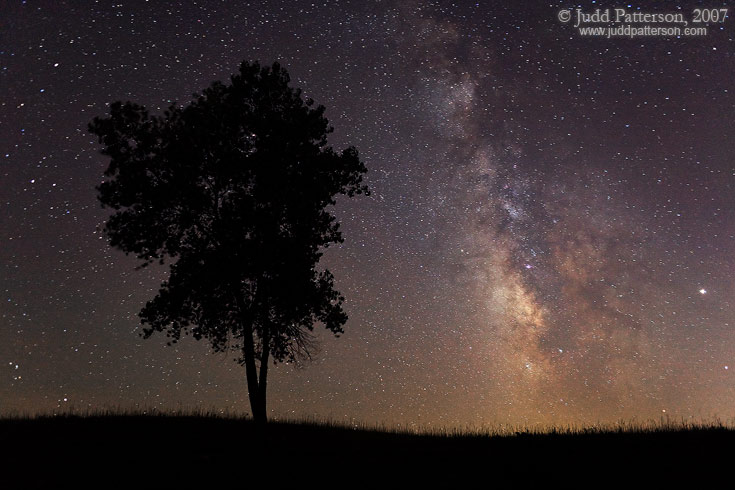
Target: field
x=190 y=451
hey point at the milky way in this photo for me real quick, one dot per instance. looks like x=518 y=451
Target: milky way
x=549 y=238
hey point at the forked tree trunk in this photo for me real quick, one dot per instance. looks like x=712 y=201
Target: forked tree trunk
x=257 y=382
x=255 y=394
x=263 y=378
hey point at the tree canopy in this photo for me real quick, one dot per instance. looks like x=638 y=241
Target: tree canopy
x=234 y=190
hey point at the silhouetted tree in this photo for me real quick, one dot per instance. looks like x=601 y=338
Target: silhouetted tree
x=234 y=189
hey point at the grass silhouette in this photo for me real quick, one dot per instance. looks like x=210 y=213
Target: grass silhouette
x=207 y=449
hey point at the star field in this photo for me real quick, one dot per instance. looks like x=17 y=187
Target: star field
x=549 y=237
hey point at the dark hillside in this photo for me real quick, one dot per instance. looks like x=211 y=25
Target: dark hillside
x=208 y=452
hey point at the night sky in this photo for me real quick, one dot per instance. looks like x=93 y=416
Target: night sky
x=550 y=236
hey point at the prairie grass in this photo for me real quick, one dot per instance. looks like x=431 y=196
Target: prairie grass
x=661 y=425
x=120 y=447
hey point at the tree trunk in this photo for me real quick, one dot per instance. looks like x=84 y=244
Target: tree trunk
x=256 y=396
x=263 y=381
x=257 y=406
